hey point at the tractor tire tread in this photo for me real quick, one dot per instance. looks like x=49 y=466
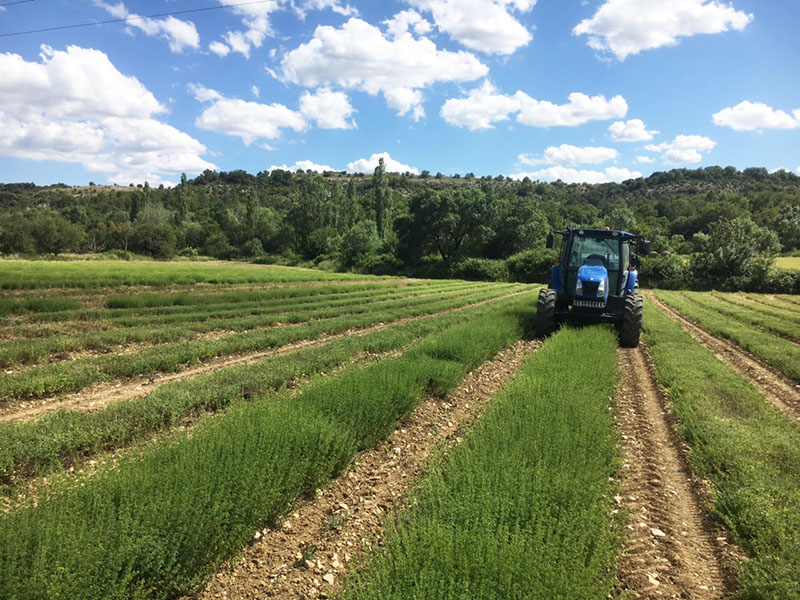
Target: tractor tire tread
x=545 y=313
x=631 y=327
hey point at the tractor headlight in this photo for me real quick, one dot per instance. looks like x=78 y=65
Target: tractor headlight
x=601 y=289
x=579 y=288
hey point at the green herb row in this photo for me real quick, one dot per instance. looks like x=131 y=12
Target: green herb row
x=778 y=352
x=29 y=351
x=522 y=508
x=747 y=450
x=158 y=525
x=75 y=375
x=62 y=439
x=783 y=314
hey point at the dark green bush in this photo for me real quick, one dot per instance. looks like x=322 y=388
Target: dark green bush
x=667 y=272
x=480 y=269
x=532 y=266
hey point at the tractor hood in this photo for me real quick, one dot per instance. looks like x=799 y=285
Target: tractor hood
x=592 y=282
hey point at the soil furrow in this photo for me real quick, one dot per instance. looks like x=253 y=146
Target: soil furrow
x=309 y=554
x=98 y=396
x=780 y=391
x=672 y=549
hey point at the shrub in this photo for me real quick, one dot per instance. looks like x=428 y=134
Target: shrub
x=668 y=272
x=481 y=269
x=532 y=266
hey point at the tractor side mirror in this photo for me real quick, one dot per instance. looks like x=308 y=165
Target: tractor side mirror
x=549 y=242
x=644 y=247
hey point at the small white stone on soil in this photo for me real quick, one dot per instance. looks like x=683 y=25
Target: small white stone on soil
x=329 y=578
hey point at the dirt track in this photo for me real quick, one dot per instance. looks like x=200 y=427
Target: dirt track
x=780 y=391
x=672 y=549
x=338 y=522
x=98 y=396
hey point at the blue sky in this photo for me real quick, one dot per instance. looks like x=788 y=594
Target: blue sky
x=597 y=90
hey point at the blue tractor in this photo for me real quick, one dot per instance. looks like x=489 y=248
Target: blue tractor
x=595 y=280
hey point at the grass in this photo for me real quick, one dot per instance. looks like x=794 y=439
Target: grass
x=788 y=262
x=522 y=508
x=778 y=352
x=31 y=274
x=158 y=525
x=61 y=440
x=747 y=450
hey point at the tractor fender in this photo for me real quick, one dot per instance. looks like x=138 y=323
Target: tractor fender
x=630 y=284
x=555 y=279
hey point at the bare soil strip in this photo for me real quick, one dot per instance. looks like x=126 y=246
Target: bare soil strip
x=780 y=391
x=309 y=554
x=98 y=396
x=672 y=549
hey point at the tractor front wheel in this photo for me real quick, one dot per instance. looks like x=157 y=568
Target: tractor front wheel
x=631 y=327
x=546 y=313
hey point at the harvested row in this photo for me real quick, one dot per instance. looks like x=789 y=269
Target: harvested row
x=75 y=375
x=780 y=353
x=156 y=526
x=522 y=508
x=67 y=438
x=28 y=274
x=749 y=452
x=23 y=352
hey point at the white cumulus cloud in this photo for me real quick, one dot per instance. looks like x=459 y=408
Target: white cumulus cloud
x=569 y=175
x=256 y=20
x=750 y=116
x=625 y=27
x=329 y=110
x=482 y=25
x=75 y=106
x=645 y=160
x=684 y=149
x=484 y=106
x=248 y=120
x=179 y=34
x=571 y=155
x=633 y=130
x=367 y=165
x=305 y=165
x=359 y=56
x=400 y=24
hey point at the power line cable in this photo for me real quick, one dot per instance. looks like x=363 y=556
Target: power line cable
x=128 y=19
x=17 y=2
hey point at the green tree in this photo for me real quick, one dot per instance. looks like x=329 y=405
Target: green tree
x=53 y=234
x=382 y=198
x=737 y=252
x=444 y=219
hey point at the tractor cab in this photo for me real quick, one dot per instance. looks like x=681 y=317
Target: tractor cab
x=594 y=279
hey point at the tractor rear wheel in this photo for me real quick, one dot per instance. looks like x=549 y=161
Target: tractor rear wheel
x=631 y=327
x=546 y=313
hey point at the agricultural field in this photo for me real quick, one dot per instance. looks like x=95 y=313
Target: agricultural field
x=180 y=431
x=788 y=262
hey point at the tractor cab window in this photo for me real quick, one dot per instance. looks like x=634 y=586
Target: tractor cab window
x=600 y=251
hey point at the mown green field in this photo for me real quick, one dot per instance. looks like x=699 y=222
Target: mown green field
x=148 y=496
x=788 y=262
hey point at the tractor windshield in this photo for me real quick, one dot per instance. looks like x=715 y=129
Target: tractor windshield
x=600 y=251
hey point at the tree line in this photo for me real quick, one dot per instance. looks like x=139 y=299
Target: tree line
x=731 y=223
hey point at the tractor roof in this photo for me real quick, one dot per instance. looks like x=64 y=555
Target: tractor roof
x=599 y=232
